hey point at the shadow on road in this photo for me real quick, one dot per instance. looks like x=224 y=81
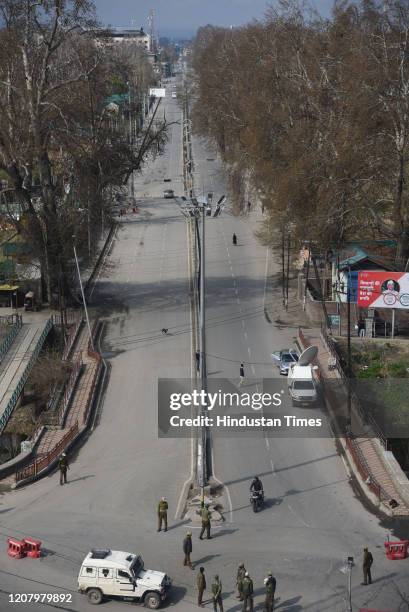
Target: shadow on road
x=222 y=532
x=81 y=478
x=176 y=595
x=176 y=525
x=204 y=559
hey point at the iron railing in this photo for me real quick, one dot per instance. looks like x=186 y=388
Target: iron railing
x=11 y=404
x=9 y=339
x=35 y=467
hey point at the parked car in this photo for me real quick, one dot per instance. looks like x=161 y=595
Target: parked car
x=168 y=194
x=284 y=358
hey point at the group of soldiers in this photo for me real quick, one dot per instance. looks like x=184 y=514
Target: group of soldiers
x=245 y=590
x=244 y=583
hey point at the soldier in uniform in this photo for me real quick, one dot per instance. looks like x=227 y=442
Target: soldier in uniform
x=63 y=467
x=366 y=566
x=187 y=549
x=241 y=572
x=217 y=593
x=201 y=586
x=163 y=514
x=270 y=583
x=248 y=589
x=205 y=523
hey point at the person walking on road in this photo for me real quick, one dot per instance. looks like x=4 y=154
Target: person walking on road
x=217 y=593
x=270 y=583
x=201 y=586
x=366 y=567
x=241 y=374
x=163 y=514
x=187 y=549
x=248 y=591
x=206 y=514
x=241 y=572
x=63 y=467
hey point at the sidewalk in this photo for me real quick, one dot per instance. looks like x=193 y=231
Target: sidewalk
x=364 y=454
x=375 y=469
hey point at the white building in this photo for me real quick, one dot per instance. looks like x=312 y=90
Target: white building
x=124 y=35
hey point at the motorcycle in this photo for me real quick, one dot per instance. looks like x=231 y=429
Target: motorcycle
x=234 y=239
x=257 y=500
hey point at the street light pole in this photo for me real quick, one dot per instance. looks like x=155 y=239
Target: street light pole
x=83 y=298
x=203 y=375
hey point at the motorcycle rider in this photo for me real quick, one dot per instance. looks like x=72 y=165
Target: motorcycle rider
x=257 y=486
x=234 y=239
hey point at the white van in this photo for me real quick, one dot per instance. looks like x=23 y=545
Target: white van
x=114 y=573
x=301 y=382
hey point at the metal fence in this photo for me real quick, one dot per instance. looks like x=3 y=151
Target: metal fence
x=17 y=392
x=34 y=468
x=356 y=403
x=9 y=339
x=69 y=390
x=72 y=337
x=364 y=471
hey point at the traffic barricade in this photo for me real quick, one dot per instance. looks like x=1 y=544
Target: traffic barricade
x=397 y=550
x=16 y=548
x=33 y=548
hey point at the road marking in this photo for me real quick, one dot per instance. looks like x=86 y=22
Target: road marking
x=249 y=351
x=243 y=324
x=267 y=442
x=272 y=465
x=297 y=517
x=253 y=369
x=246 y=335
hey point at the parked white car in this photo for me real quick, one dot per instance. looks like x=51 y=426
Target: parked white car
x=302 y=385
x=114 y=573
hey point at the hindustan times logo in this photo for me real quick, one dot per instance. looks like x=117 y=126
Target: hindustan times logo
x=221 y=399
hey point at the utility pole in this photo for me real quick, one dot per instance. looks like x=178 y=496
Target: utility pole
x=203 y=375
x=306 y=278
x=83 y=297
x=283 y=264
x=288 y=269
x=349 y=368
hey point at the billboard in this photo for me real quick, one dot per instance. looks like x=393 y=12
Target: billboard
x=157 y=92
x=380 y=289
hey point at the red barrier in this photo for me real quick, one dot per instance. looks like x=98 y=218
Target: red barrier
x=33 y=548
x=397 y=550
x=16 y=548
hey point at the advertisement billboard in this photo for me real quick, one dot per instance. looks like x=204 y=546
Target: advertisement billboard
x=379 y=289
x=157 y=92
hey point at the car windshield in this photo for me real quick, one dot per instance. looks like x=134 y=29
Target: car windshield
x=287 y=358
x=303 y=385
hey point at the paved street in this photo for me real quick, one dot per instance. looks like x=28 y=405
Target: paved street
x=312 y=519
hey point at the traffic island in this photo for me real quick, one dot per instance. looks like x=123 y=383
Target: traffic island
x=212 y=497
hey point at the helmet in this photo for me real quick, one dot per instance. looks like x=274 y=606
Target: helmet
x=163 y=498
x=63 y=455
x=216 y=576
x=256 y=478
x=246 y=574
x=269 y=573
x=241 y=565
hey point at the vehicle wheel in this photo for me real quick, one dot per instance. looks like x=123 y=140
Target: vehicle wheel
x=152 y=601
x=254 y=506
x=94 y=596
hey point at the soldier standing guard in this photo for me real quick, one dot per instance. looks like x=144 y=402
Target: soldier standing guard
x=163 y=514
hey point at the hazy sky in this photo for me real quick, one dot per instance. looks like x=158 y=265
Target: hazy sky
x=183 y=17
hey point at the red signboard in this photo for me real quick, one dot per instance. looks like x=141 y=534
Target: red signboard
x=383 y=289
